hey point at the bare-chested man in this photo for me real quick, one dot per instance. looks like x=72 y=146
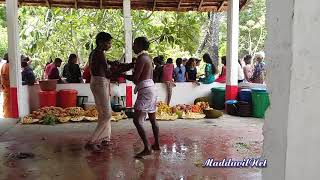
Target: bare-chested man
x=100 y=87
x=146 y=99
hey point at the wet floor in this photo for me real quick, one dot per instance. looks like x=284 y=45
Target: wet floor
x=58 y=151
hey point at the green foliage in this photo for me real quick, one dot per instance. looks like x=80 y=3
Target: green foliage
x=49 y=33
x=49 y=120
x=2 y=16
x=252 y=29
x=3 y=42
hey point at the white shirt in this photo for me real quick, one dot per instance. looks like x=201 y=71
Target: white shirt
x=240 y=72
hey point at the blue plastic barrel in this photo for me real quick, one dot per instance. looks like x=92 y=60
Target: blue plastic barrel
x=245 y=95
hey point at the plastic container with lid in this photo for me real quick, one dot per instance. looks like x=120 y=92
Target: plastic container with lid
x=259 y=89
x=67 y=98
x=218 y=97
x=244 y=109
x=245 y=95
x=260 y=103
x=47 y=98
x=231 y=107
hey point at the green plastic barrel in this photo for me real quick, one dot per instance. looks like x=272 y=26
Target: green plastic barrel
x=218 y=97
x=260 y=103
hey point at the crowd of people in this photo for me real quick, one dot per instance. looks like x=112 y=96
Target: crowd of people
x=186 y=71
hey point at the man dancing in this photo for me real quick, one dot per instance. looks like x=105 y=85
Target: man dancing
x=146 y=99
x=100 y=87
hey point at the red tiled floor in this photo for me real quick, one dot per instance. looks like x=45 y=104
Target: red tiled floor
x=59 y=152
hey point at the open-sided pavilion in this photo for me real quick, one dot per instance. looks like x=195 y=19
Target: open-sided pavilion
x=232 y=6
x=291 y=129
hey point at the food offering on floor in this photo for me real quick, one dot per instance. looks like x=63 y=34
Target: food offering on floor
x=52 y=115
x=182 y=111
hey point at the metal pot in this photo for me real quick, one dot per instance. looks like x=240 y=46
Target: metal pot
x=130 y=112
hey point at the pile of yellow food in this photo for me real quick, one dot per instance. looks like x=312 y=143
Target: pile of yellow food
x=74 y=114
x=117 y=116
x=165 y=112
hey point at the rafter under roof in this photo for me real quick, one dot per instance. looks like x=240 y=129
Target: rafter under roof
x=152 y=5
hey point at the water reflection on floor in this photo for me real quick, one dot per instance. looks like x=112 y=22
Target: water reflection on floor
x=59 y=152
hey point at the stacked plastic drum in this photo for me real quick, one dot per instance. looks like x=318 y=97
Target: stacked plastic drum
x=218 y=97
x=48 y=93
x=231 y=107
x=67 y=98
x=260 y=102
x=245 y=103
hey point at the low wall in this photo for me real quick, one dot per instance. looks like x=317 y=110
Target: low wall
x=183 y=93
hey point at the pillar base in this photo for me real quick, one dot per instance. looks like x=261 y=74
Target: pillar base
x=14 y=102
x=231 y=92
x=129 y=96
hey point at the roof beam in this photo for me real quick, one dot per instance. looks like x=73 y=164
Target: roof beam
x=179 y=4
x=221 y=6
x=154 y=5
x=48 y=4
x=20 y=3
x=101 y=4
x=76 y=4
x=200 y=5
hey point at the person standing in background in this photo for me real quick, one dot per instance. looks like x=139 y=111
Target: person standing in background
x=223 y=74
x=240 y=72
x=157 y=72
x=28 y=77
x=71 y=70
x=47 y=67
x=53 y=71
x=210 y=70
x=5 y=82
x=86 y=73
x=259 y=69
x=179 y=71
x=167 y=78
x=247 y=69
x=191 y=71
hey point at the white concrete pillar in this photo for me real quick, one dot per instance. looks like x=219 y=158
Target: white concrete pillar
x=232 y=50
x=127 y=30
x=128 y=47
x=14 y=55
x=291 y=130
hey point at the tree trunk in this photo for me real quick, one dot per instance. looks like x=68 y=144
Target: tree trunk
x=211 y=41
x=215 y=19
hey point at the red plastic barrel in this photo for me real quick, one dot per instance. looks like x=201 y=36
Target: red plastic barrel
x=67 y=98
x=47 y=98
